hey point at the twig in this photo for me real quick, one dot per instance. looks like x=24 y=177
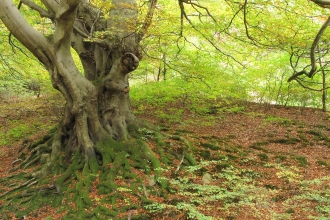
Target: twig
x=31 y=162
x=316 y=41
x=145 y=191
x=93 y=25
x=130 y=214
x=40 y=10
x=148 y=19
x=177 y=169
x=310 y=88
x=34 y=182
x=15 y=161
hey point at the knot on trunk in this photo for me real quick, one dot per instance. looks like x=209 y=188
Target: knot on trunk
x=129 y=62
x=114 y=108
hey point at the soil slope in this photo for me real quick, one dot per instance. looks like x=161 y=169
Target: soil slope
x=262 y=161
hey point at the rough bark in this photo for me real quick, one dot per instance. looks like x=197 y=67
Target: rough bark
x=97 y=101
x=94 y=129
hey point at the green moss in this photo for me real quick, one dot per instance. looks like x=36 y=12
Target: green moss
x=317 y=133
x=184 y=131
x=243 y=153
x=289 y=211
x=206 y=154
x=75 y=214
x=84 y=195
x=231 y=150
x=191 y=159
x=232 y=157
x=103 y=212
x=270 y=186
x=86 y=176
x=210 y=146
x=129 y=207
x=258 y=146
x=129 y=175
x=165 y=159
x=52 y=130
x=139 y=164
x=79 y=186
x=62 y=163
x=106 y=149
x=231 y=136
x=221 y=157
x=286 y=141
x=263 y=157
x=139 y=148
x=278 y=198
x=220 y=167
x=141 y=156
x=77 y=164
x=132 y=128
x=30 y=200
x=93 y=166
x=235 y=149
x=302 y=160
x=114 y=160
x=280 y=158
x=107 y=187
x=323 y=163
x=279 y=120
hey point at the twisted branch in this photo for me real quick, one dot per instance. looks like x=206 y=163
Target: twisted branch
x=313 y=70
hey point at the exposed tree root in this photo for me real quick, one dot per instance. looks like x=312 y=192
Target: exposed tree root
x=37 y=151
x=27 y=184
x=115 y=174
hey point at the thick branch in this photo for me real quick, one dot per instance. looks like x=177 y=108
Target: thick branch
x=65 y=18
x=310 y=88
x=314 y=46
x=246 y=22
x=39 y=9
x=322 y=3
x=51 y=5
x=311 y=73
x=33 y=40
x=148 y=19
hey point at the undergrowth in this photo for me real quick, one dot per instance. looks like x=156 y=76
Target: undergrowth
x=228 y=181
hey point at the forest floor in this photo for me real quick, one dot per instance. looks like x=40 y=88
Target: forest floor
x=255 y=161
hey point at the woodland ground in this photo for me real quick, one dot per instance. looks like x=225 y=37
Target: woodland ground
x=255 y=161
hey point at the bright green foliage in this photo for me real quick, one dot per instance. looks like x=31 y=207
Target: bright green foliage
x=15 y=131
x=18 y=69
x=203 y=64
x=314 y=192
x=227 y=58
x=20 y=72
x=239 y=181
x=204 y=57
x=233 y=189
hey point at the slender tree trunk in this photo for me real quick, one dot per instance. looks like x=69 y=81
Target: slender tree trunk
x=324 y=90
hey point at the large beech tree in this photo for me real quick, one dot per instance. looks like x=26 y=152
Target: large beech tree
x=97 y=113
x=97 y=100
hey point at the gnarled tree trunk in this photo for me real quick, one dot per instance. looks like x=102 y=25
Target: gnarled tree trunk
x=97 y=101
x=92 y=142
